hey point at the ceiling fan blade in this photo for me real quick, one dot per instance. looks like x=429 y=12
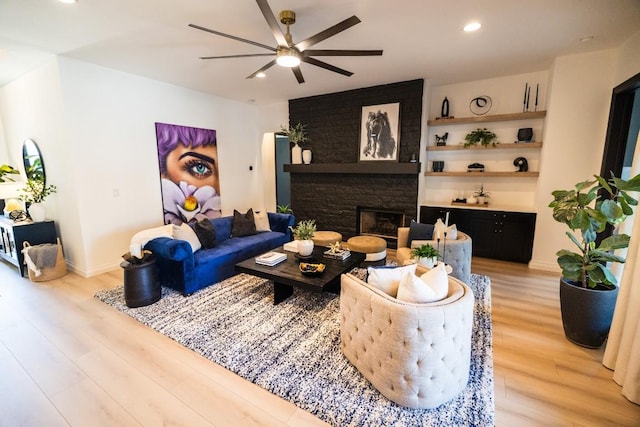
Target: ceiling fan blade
x=326 y=66
x=331 y=31
x=237 y=56
x=229 y=36
x=266 y=67
x=298 y=73
x=341 y=52
x=272 y=22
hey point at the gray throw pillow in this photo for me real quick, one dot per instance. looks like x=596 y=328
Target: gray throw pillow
x=243 y=224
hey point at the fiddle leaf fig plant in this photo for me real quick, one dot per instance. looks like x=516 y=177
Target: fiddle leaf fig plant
x=587 y=210
x=7 y=170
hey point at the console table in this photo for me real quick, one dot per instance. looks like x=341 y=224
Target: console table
x=13 y=234
x=494 y=234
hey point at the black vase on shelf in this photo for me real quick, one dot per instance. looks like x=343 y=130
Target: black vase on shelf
x=525 y=134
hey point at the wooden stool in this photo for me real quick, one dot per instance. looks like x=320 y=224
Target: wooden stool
x=326 y=238
x=374 y=247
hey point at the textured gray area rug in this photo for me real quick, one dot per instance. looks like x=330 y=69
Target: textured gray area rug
x=293 y=350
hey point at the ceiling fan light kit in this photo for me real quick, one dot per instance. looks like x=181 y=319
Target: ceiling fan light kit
x=289 y=54
x=287 y=57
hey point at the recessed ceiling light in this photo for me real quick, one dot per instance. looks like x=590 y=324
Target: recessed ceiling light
x=261 y=75
x=586 y=39
x=68 y=1
x=472 y=26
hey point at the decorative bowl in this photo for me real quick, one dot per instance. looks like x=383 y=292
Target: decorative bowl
x=309 y=269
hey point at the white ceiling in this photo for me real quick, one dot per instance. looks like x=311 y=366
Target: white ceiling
x=420 y=39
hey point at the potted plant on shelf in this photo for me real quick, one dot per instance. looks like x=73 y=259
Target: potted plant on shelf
x=588 y=288
x=33 y=194
x=481 y=196
x=303 y=232
x=480 y=136
x=425 y=255
x=297 y=134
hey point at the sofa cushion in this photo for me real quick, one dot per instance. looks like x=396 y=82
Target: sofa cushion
x=185 y=232
x=429 y=287
x=262 y=221
x=387 y=279
x=418 y=231
x=206 y=233
x=243 y=224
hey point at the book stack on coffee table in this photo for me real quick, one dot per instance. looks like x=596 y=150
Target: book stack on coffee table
x=271 y=258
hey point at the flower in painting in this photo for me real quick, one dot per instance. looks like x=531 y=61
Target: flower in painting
x=188 y=203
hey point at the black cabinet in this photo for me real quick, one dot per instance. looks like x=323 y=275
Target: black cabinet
x=495 y=234
x=14 y=234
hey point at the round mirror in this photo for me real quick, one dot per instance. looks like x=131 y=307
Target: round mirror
x=33 y=163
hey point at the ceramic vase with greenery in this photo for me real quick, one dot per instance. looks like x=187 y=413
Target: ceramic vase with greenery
x=588 y=287
x=297 y=134
x=34 y=193
x=483 y=137
x=303 y=232
x=425 y=255
x=481 y=196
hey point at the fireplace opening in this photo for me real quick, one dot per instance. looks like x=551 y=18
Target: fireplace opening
x=380 y=222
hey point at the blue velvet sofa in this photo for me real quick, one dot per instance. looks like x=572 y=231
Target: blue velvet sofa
x=187 y=271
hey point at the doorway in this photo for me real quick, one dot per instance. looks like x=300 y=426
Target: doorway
x=283 y=179
x=622 y=130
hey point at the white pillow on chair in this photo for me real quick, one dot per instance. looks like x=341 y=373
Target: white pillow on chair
x=387 y=279
x=430 y=287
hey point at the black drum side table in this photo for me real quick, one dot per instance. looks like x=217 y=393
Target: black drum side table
x=141 y=283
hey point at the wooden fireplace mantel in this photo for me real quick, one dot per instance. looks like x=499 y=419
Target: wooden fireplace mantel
x=389 y=168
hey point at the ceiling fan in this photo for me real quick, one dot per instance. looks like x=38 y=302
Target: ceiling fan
x=289 y=54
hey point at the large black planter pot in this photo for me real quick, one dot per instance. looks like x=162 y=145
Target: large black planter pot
x=586 y=313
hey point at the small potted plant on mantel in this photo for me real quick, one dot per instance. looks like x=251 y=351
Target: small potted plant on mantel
x=297 y=134
x=303 y=232
x=425 y=255
x=588 y=287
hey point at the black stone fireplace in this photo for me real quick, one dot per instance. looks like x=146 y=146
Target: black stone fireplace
x=336 y=183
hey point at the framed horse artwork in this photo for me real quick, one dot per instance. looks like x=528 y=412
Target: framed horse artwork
x=380 y=132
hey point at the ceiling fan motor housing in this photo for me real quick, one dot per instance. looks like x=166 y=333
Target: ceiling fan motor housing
x=288 y=17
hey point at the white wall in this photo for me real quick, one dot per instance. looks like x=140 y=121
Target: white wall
x=628 y=62
x=575 y=130
x=99 y=147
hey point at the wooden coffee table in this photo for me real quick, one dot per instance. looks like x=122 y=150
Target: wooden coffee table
x=286 y=275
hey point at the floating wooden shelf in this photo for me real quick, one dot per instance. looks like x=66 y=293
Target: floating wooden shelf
x=486 y=174
x=480 y=147
x=389 y=168
x=483 y=119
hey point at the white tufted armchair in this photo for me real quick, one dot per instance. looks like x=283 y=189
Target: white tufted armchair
x=416 y=355
x=457 y=253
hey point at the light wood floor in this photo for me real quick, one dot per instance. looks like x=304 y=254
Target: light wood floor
x=67 y=359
